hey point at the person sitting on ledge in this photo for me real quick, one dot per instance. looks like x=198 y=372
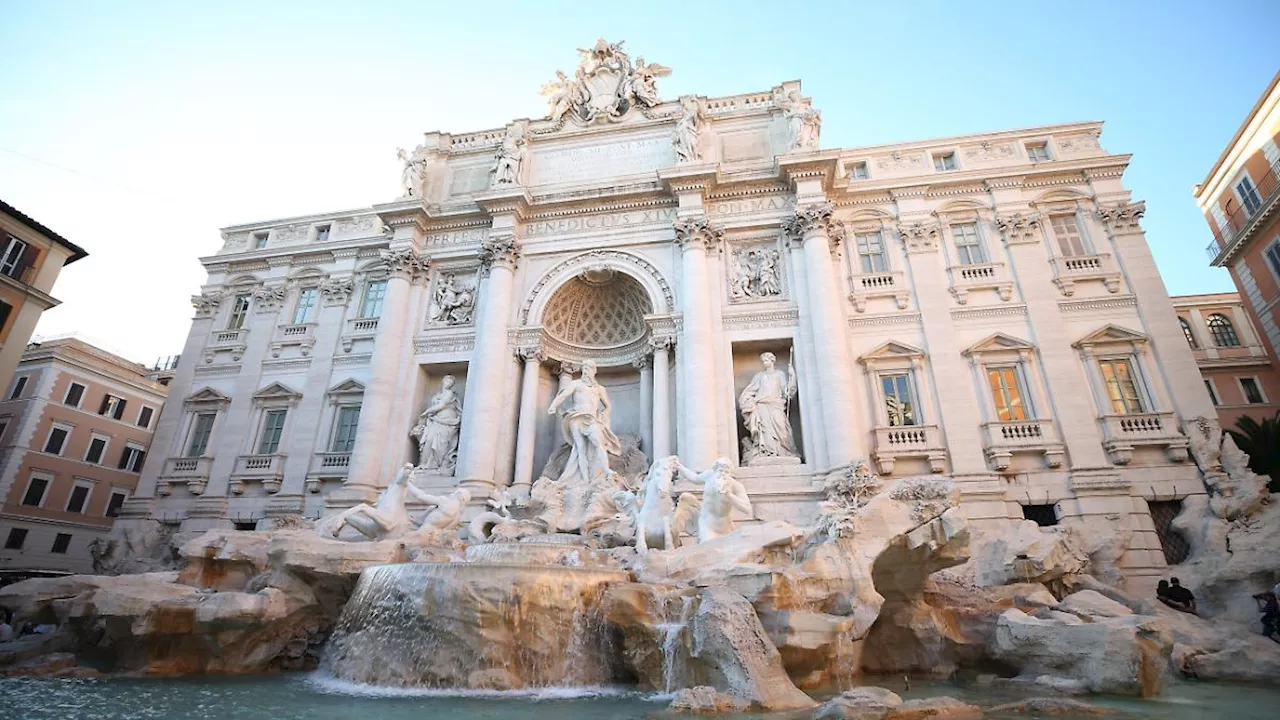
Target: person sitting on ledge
x=1177 y=597
x=1162 y=591
x=1270 y=609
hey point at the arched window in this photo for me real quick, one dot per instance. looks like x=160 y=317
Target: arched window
x=1224 y=333
x=1186 y=330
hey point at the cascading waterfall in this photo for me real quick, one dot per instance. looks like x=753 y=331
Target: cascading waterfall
x=522 y=615
x=672 y=635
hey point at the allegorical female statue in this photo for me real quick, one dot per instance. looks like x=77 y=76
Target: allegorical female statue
x=437 y=429
x=764 y=413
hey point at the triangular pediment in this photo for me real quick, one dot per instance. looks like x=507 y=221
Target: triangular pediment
x=350 y=386
x=207 y=395
x=1111 y=334
x=997 y=342
x=892 y=350
x=277 y=391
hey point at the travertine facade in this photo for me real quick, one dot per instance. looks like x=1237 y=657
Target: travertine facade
x=72 y=444
x=984 y=307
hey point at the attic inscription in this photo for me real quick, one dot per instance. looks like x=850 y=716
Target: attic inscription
x=610 y=221
x=601 y=161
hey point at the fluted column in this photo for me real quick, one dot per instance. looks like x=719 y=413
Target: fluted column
x=486 y=379
x=646 y=404
x=526 y=429
x=697 y=237
x=661 y=397
x=367 y=459
x=814 y=227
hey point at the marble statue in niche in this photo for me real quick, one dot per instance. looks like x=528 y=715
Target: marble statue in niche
x=688 y=129
x=510 y=157
x=452 y=305
x=437 y=429
x=755 y=274
x=804 y=123
x=765 y=405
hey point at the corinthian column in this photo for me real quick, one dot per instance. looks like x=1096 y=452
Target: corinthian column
x=371 y=453
x=661 y=396
x=486 y=376
x=528 y=425
x=816 y=230
x=697 y=237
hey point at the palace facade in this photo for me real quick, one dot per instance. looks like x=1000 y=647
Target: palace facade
x=984 y=307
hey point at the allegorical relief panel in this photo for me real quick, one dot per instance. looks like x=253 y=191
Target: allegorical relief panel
x=754 y=272
x=453 y=297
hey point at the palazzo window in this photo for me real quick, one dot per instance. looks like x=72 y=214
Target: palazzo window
x=112 y=406
x=1186 y=331
x=899 y=401
x=1223 y=332
x=1121 y=386
x=272 y=431
x=1248 y=195
x=201 y=429
x=375 y=292
x=1272 y=254
x=61 y=542
x=944 y=162
x=116 y=502
x=75 y=391
x=1008 y=393
x=17 y=538
x=1038 y=152
x=18 y=386
x=131 y=458
x=344 y=431
x=239 y=311
x=304 y=312
x=57 y=439
x=97 y=448
x=858 y=170
x=968 y=244
x=260 y=240
x=144 y=417
x=16 y=258
x=322 y=233
x=1252 y=391
x=1213 y=392
x=1066 y=230
x=871 y=256
x=34 y=496
x=79 y=496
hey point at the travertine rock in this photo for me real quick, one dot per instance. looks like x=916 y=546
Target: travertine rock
x=1022 y=551
x=224 y=559
x=729 y=640
x=1049 y=706
x=1220 y=649
x=705 y=700
x=863 y=703
x=941 y=708
x=1117 y=655
x=1091 y=605
x=1230 y=561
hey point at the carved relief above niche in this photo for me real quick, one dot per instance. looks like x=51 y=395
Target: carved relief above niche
x=453 y=296
x=754 y=272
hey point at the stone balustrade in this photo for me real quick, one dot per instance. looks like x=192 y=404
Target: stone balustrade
x=1122 y=433
x=981 y=276
x=1067 y=271
x=891 y=283
x=1002 y=439
x=909 y=441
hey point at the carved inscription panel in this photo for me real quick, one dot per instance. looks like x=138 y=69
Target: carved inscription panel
x=591 y=162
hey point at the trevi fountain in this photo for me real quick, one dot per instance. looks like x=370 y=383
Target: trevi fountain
x=623 y=580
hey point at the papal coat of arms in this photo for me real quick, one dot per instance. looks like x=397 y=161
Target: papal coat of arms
x=605 y=87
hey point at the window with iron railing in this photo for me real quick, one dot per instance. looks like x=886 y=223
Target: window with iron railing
x=1253 y=194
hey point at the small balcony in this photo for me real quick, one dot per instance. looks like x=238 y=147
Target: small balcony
x=1242 y=219
x=909 y=441
x=359 y=329
x=194 y=471
x=301 y=335
x=330 y=464
x=875 y=285
x=266 y=469
x=1067 y=271
x=1122 y=433
x=984 y=276
x=228 y=338
x=1002 y=439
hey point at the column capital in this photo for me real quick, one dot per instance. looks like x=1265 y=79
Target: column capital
x=337 y=291
x=1018 y=228
x=662 y=342
x=531 y=353
x=699 y=232
x=404 y=262
x=641 y=362
x=919 y=237
x=1123 y=217
x=811 y=220
x=499 y=251
x=207 y=303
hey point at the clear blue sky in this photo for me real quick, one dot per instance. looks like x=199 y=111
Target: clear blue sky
x=137 y=129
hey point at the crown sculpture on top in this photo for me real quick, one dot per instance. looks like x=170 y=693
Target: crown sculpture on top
x=605 y=87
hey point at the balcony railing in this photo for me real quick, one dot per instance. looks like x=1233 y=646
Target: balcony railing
x=909 y=441
x=187 y=467
x=1124 y=432
x=965 y=278
x=229 y=337
x=1067 y=271
x=362 y=325
x=259 y=465
x=330 y=464
x=884 y=284
x=1002 y=439
x=1240 y=219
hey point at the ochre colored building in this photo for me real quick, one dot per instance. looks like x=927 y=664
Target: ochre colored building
x=31 y=257
x=1237 y=370
x=75 y=426
x=1238 y=198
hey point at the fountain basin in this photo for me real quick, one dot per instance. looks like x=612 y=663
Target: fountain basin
x=479 y=625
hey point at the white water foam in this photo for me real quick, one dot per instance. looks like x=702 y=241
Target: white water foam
x=329 y=684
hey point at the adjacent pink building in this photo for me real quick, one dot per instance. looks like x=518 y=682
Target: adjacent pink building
x=1231 y=354
x=75 y=426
